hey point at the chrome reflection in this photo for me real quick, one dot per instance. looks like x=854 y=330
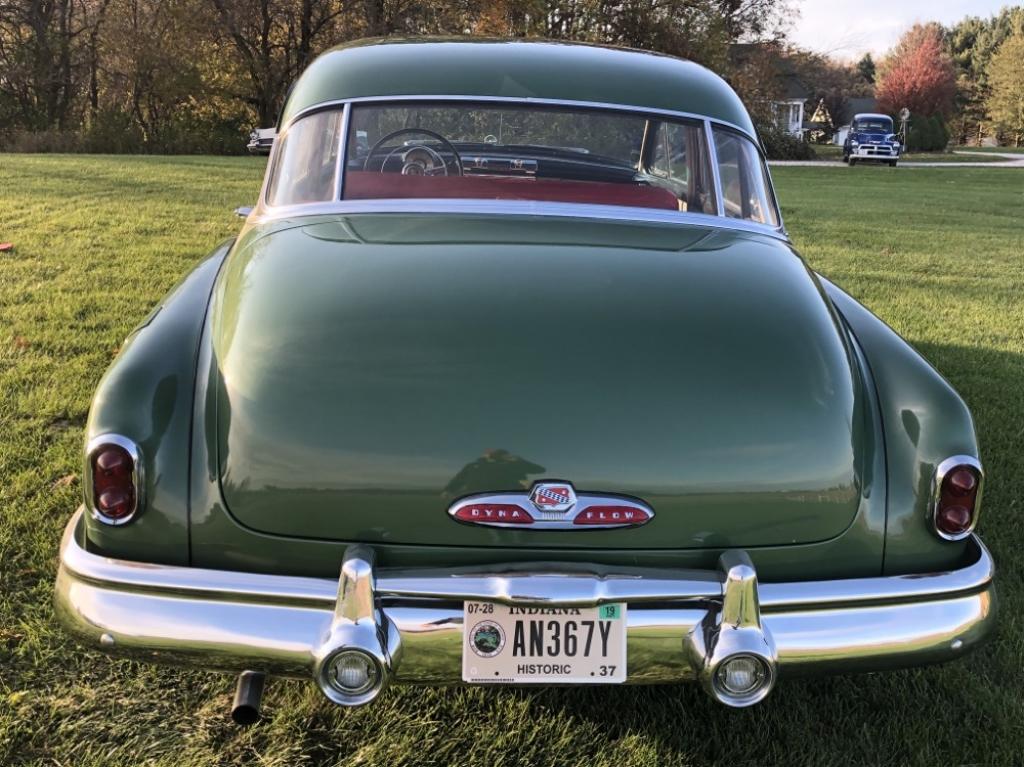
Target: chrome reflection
x=681 y=625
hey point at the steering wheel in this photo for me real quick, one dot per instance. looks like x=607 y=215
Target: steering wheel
x=418 y=159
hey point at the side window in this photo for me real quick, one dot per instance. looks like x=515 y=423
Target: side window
x=680 y=157
x=746 y=192
x=306 y=161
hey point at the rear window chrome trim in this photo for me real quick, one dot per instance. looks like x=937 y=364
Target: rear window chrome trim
x=521 y=100
x=267 y=212
x=621 y=213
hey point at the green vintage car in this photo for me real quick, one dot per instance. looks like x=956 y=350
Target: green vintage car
x=516 y=342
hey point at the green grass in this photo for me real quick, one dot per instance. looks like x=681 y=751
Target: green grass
x=835 y=153
x=945 y=157
x=1003 y=149
x=98 y=240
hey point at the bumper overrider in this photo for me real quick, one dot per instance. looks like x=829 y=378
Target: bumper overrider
x=682 y=625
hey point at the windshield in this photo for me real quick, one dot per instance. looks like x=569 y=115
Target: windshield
x=873 y=125
x=527 y=152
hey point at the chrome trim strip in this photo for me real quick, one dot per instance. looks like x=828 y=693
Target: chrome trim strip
x=940 y=474
x=716 y=173
x=517 y=208
x=138 y=476
x=339 y=168
x=538 y=583
x=886 y=588
x=632 y=108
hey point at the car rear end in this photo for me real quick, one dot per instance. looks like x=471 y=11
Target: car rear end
x=675 y=506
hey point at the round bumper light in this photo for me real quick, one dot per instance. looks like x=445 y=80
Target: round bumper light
x=741 y=680
x=352 y=673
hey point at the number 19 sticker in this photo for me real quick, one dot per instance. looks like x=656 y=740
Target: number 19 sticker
x=610 y=612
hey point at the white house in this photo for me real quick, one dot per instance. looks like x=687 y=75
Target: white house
x=768 y=62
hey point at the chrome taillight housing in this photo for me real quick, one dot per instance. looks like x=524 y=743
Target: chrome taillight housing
x=956 y=501
x=113 y=479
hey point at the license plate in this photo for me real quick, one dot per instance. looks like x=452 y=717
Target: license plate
x=543 y=645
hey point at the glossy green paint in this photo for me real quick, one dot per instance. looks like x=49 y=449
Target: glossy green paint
x=146 y=395
x=515 y=69
x=925 y=422
x=219 y=541
x=361 y=409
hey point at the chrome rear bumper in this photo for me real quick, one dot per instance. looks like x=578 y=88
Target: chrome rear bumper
x=681 y=624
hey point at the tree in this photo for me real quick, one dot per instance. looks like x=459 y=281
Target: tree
x=866 y=69
x=918 y=74
x=42 y=58
x=1005 y=103
x=832 y=84
x=272 y=41
x=195 y=75
x=972 y=42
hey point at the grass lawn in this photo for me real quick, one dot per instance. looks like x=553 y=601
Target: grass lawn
x=997 y=149
x=834 y=152
x=946 y=157
x=936 y=253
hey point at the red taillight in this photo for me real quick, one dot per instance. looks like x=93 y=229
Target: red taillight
x=962 y=482
x=958 y=483
x=113 y=476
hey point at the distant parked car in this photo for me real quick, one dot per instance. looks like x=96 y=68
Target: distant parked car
x=261 y=140
x=513 y=376
x=871 y=139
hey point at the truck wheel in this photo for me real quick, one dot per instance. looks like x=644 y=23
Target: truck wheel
x=892 y=163
x=846 y=158
x=853 y=161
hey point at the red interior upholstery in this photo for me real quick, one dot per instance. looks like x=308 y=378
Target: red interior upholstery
x=369 y=185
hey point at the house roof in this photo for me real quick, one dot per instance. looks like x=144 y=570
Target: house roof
x=515 y=69
x=858 y=106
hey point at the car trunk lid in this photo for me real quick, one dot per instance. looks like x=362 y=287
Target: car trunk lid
x=372 y=370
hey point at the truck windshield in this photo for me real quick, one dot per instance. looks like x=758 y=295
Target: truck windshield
x=873 y=125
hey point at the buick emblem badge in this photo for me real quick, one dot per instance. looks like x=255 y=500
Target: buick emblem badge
x=553 y=496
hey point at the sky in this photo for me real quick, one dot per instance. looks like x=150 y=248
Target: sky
x=848 y=29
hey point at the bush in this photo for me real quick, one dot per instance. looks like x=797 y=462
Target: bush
x=40 y=141
x=779 y=145
x=116 y=132
x=927 y=134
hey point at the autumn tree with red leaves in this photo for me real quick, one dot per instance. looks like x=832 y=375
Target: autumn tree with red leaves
x=918 y=74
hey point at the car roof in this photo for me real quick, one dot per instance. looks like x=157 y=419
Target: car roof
x=515 y=69
x=870 y=116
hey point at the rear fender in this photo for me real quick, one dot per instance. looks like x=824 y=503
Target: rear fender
x=146 y=395
x=925 y=421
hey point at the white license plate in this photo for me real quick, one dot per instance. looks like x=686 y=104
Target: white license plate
x=543 y=645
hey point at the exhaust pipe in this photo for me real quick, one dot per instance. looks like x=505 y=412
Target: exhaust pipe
x=245 y=708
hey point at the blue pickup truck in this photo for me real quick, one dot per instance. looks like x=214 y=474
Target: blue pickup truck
x=871 y=138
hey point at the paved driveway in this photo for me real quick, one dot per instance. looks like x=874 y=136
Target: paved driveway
x=1009 y=160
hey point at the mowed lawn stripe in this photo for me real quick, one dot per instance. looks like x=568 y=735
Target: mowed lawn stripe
x=939 y=254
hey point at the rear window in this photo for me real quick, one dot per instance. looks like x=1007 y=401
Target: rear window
x=746 y=191
x=306 y=165
x=529 y=152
